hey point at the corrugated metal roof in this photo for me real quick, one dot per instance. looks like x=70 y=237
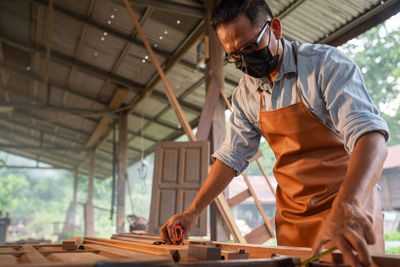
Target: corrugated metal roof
x=96 y=50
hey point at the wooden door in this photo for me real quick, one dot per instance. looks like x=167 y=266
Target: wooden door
x=180 y=169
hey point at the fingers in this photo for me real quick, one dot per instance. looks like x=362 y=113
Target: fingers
x=347 y=251
x=185 y=237
x=360 y=246
x=170 y=229
x=369 y=233
x=164 y=233
x=318 y=244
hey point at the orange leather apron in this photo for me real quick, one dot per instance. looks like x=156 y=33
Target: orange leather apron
x=311 y=164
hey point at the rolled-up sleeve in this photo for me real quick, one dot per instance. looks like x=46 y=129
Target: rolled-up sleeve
x=242 y=139
x=351 y=109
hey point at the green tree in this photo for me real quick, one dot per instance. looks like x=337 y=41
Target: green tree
x=377 y=53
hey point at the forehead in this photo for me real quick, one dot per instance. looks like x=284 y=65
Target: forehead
x=236 y=34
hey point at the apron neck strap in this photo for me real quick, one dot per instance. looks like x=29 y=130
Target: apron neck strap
x=297 y=74
x=297 y=77
x=261 y=100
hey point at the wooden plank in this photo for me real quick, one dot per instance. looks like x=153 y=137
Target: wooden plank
x=115 y=103
x=82 y=257
x=259 y=235
x=239 y=198
x=141 y=237
x=72 y=243
x=137 y=257
x=133 y=239
x=261 y=251
x=203 y=253
x=8 y=260
x=177 y=252
x=31 y=255
x=259 y=206
x=224 y=208
x=228 y=254
x=7 y=249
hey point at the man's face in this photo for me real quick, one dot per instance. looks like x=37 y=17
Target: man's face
x=239 y=34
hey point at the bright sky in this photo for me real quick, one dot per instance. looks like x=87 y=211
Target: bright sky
x=391 y=107
x=393 y=22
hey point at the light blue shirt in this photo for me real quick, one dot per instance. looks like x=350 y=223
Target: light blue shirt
x=329 y=84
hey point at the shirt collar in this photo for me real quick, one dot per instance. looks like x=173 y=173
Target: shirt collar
x=288 y=65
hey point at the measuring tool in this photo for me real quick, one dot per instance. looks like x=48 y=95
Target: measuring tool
x=178 y=234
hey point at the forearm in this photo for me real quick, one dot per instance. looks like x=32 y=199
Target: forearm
x=364 y=169
x=217 y=180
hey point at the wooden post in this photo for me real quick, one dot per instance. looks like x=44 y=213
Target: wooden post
x=73 y=204
x=212 y=121
x=89 y=213
x=214 y=74
x=122 y=170
x=69 y=223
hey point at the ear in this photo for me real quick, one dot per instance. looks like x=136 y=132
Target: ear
x=276 y=28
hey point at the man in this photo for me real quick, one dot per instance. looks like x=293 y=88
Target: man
x=310 y=103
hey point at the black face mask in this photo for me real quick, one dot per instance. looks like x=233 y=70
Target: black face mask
x=259 y=63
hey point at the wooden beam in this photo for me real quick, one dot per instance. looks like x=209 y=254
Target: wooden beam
x=89 y=213
x=214 y=74
x=239 y=198
x=224 y=208
x=50 y=108
x=48 y=52
x=116 y=102
x=31 y=255
x=260 y=166
x=122 y=170
x=72 y=243
x=259 y=206
x=169 y=92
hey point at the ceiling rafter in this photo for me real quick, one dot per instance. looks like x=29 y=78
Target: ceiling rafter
x=58 y=163
x=147 y=13
x=30 y=75
x=171 y=7
x=100 y=27
x=43 y=151
x=50 y=132
x=95 y=71
x=77 y=52
x=51 y=108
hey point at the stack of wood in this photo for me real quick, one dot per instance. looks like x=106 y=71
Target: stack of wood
x=138 y=250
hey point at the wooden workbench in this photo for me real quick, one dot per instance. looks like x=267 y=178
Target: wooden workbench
x=139 y=250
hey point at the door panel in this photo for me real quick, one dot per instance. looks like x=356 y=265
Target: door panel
x=180 y=169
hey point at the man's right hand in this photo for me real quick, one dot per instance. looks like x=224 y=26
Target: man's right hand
x=186 y=220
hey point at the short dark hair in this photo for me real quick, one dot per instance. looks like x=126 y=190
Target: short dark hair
x=228 y=10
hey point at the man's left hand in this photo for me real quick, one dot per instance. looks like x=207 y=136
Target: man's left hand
x=348 y=229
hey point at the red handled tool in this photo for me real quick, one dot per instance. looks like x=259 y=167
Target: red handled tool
x=178 y=234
